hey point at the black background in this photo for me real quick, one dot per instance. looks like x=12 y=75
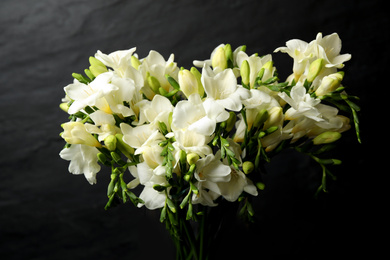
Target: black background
x=47 y=213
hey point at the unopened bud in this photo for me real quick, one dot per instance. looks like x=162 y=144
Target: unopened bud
x=192 y=158
x=245 y=72
x=198 y=77
x=153 y=83
x=97 y=67
x=126 y=149
x=326 y=138
x=219 y=59
x=135 y=62
x=228 y=52
x=64 y=107
x=110 y=142
x=231 y=121
x=260 y=185
x=315 y=69
x=330 y=83
x=248 y=167
x=183 y=156
x=261 y=117
x=188 y=83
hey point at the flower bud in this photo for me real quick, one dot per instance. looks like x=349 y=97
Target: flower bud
x=275 y=117
x=110 y=142
x=228 y=52
x=198 y=77
x=245 y=72
x=231 y=121
x=135 y=62
x=188 y=83
x=315 y=69
x=219 y=59
x=76 y=133
x=261 y=117
x=266 y=71
x=182 y=156
x=153 y=83
x=97 y=67
x=330 y=83
x=260 y=185
x=326 y=138
x=248 y=167
x=64 y=107
x=192 y=158
x=126 y=149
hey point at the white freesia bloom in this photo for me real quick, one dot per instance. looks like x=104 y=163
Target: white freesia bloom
x=223 y=89
x=238 y=183
x=155 y=111
x=91 y=94
x=83 y=160
x=198 y=116
x=301 y=104
x=104 y=125
x=120 y=60
x=136 y=136
x=328 y=48
x=156 y=66
x=210 y=171
x=149 y=177
x=76 y=133
x=192 y=142
x=296 y=49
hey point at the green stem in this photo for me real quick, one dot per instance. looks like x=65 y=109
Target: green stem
x=190 y=239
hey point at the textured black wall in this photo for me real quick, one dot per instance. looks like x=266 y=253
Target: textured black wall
x=46 y=213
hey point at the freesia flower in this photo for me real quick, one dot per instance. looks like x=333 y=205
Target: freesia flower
x=155 y=65
x=192 y=142
x=223 y=89
x=83 y=160
x=210 y=171
x=198 y=116
x=301 y=104
x=104 y=125
x=76 y=133
x=91 y=94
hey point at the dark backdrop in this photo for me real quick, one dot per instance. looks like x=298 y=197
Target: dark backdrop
x=47 y=213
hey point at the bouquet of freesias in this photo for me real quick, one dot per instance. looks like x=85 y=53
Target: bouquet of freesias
x=192 y=139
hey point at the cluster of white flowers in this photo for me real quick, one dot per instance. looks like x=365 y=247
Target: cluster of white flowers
x=196 y=135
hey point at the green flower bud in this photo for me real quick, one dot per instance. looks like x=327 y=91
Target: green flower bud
x=198 y=76
x=126 y=149
x=153 y=83
x=101 y=158
x=135 y=62
x=192 y=158
x=245 y=72
x=64 y=107
x=326 y=138
x=97 y=67
x=260 y=185
x=219 y=59
x=315 y=69
x=261 y=117
x=229 y=54
x=183 y=156
x=248 y=167
x=231 y=121
x=110 y=142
